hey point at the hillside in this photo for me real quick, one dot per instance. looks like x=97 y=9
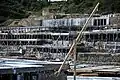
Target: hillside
x=85 y=6
x=20 y=8
x=23 y=8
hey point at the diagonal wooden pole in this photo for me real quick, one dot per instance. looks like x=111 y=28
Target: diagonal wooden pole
x=79 y=37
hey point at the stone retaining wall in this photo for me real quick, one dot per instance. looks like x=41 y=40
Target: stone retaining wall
x=99 y=58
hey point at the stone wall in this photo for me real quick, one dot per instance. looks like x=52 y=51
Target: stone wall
x=99 y=58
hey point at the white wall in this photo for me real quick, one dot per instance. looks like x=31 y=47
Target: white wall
x=71 y=22
x=55 y=0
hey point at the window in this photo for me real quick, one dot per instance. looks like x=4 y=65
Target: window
x=99 y=22
x=104 y=21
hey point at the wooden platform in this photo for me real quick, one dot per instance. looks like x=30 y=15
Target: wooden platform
x=97 y=70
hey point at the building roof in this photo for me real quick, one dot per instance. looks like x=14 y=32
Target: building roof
x=9 y=66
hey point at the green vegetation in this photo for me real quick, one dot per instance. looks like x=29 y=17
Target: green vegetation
x=20 y=8
x=85 y=6
x=23 y=8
